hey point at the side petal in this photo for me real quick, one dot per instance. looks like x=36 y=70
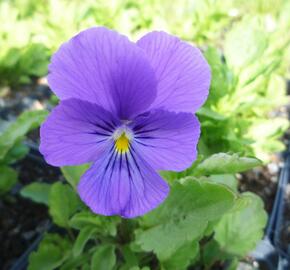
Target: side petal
x=103 y=67
x=182 y=73
x=167 y=140
x=76 y=132
x=122 y=184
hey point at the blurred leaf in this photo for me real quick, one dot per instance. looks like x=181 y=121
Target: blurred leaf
x=11 y=58
x=83 y=237
x=37 y=192
x=182 y=257
x=212 y=252
x=8 y=178
x=245 y=43
x=239 y=232
x=63 y=203
x=223 y=163
x=73 y=173
x=210 y=114
x=16 y=131
x=130 y=257
x=265 y=128
x=76 y=262
x=51 y=253
x=17 y=152
x=226 y=179
x=104 y=258
x=34 y=60
x=183 y=217
x=221 y=78
x=104 y=225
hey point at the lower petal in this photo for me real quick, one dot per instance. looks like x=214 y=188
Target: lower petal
x=122 y=184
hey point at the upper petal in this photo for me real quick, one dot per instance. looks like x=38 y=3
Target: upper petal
x=167 y=140
x=122 y=184
x=76 y=132
x=104 y=67
x=182 y=73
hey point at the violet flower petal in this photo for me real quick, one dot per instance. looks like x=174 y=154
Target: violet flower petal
x=182 y=73
x=124 y=185
x=103 y=67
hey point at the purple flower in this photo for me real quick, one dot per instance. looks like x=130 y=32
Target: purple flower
x=129 y=110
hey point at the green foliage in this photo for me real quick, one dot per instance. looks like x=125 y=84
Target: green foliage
x=227 y=179
x=84 y=236
x=102 y=225
x=182 y=257
x=104 y=258
x=15 y=153
x=18 y=129
x=37 y=192
x=12 y=147
x=51 y=253
x=223 y=163
x=233 y=237
x=169 y=227
x=244 y=43
x=63 y=203
x=8 y=178
x=73 y=173
x=194 y=209
x=237 y=237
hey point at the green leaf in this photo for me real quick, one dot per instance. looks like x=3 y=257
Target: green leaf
x=130 y=257
x=84 y=236
x=76 y=262
x=8 y=178
x=265 y=129
x=238 y=232
x=73 y=173
x=37 y=192
x=223 y=163
x=182 y=257
x=103 y=225
x=212 y=253
x=51 y=253
x=104 y=258
x=63 y=203
x=226 y=179
x=206 y=112
x=183 y=217
x=17 y=152
x=245 y=43
x=12 y=57
x=220 y=82
x=16 y=131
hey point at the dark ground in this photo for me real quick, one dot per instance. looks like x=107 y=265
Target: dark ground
x=21 y=220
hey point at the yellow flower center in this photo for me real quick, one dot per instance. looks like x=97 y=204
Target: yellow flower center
x=122 y=143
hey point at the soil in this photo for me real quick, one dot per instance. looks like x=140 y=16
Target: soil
x=21 y=220
x=262 y=182
x=33 y=96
